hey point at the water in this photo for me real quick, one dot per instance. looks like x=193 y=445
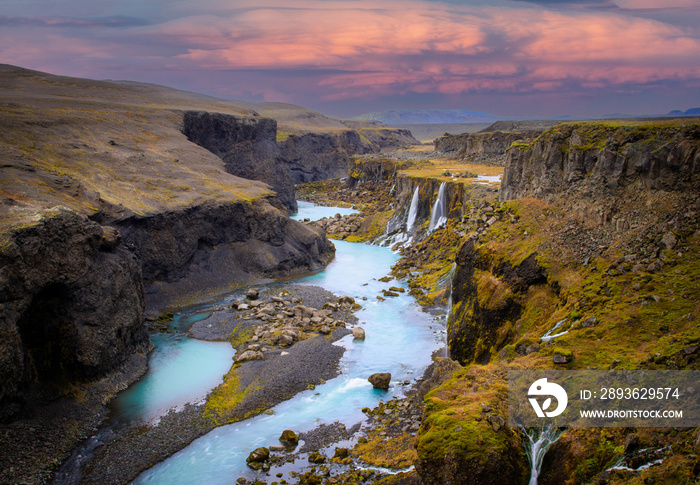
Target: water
x=413 y=211
x=548 y=336
x=400 y=339
x=180 y=370
x=307 y=210
x=438 y=216
x=539 y=442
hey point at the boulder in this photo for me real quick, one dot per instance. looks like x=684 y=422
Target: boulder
x=316 y=457
x=358 y=333
x=380 y=380
x=258 y=455
x=253 y=293
x=249 y=355
x=289 y=437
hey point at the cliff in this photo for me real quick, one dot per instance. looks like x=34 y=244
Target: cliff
x=607 y=254
x=248 y=147
x=604 y=157
x=489 y=146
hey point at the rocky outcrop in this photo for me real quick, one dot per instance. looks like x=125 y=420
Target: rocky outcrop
x=211 y=246
x=603 y=157
x=381 y=136
x=247 y=145
x=486 y=300
x=482 y=147
x=316 y=156
x=72 y=309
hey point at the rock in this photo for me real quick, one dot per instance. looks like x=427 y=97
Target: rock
x=316 y=457
x=346 y=299
x=277 y=448
x=397 y=289
x=325 y=330
x=690 y=349
x=669 y=240
x=589 y=322
x=341 y=453
x=249 y=355
x=380 y=380
x=111 y=238
x=259 y=455
x=638 y=268
x=289 y=437
x=696 y=447
x=253 y=293
x=531 y=349
x=243 y=306
x=560 y=359
x=631 y=443
x=358 y=333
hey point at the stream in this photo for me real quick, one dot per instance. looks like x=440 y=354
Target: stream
x=401 y=339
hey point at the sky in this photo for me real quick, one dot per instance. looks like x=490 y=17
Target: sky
x=512 y=58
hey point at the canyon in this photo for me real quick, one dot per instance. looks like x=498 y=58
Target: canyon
x=123 y=201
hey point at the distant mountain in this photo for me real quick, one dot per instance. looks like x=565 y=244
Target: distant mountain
x=428 y=116
x=688 y=112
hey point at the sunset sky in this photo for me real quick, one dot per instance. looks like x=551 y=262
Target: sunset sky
x=348 y=57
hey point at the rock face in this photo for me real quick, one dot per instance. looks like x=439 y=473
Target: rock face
x=485 y=297
x=484 y=146
x=248 y=147
x=603 y=156
x=72 y=309
x=316 y=156
x=213 y=244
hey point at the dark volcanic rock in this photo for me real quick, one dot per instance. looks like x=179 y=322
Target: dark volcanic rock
x=248 y=146
x=216 y=245
x=72 y=307
x=317 y=156
x=71 y=336
x=380 y=380
x=600 y=156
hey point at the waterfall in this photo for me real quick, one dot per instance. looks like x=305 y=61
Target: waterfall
x=438 y=216
x=413 y=211
x=537 y=447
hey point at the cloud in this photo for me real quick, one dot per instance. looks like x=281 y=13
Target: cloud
x=352 y=49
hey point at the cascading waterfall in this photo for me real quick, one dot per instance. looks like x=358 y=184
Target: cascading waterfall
x=536 y=447
x=412 y=211
x=438 y=217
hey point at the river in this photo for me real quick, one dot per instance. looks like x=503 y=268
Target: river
x=400 y=339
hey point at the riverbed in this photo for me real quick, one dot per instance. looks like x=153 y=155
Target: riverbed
x=400 y=339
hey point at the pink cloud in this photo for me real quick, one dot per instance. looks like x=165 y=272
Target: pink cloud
x=394 y=47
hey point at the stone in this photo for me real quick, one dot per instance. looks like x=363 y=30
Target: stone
x=277 y=448
x=258 y=455
x=346 y=299
x=325 y=330
x=690 y=349
x=316 y=457
x=341 y=453
x=289 y=437
x=358 y=333
x=560 y=359
x=111 y=238
x=253 y=293
x=249 y=355
x=380 y=380
x=531 y=349
x=669 y=240
x=589 y=322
